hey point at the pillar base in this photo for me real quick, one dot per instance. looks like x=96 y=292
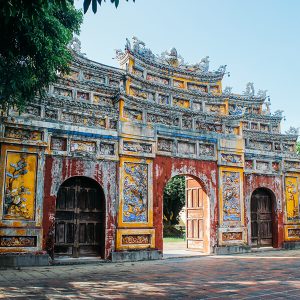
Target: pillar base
x=16 y=260
x=123 y=256
x=223 y=250
x=291 y=245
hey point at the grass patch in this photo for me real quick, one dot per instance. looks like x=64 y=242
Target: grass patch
x=173 y=240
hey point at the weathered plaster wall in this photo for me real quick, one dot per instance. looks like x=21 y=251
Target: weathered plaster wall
x=274 y=184
x=58 y=169
x=164 y=168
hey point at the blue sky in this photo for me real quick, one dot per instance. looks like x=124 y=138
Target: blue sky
x=258 y=40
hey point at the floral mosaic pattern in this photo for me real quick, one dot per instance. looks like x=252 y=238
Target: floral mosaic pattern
x=135 y=193
x=19 y=186
x=231 y=196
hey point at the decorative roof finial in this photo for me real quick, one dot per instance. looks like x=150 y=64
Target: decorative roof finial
x=249 y=89
x=293 y=131
x=227 y=90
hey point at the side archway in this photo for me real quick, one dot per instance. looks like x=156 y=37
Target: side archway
x=80 y=218
x=263 y=207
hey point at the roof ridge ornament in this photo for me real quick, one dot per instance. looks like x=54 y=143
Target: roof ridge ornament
x=170 y=58
x=292 y=131
x=250 y=91
x=75 y=45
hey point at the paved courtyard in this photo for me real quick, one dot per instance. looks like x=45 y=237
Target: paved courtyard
x=267 y=275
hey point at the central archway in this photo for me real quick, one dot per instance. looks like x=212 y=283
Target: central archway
x=193 y=220
x=80 y=218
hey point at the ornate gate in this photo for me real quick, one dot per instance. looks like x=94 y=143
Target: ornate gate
x=196 y=214
x=79 y=219
x=261 y=219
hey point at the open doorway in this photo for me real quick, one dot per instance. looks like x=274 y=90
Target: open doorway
x=185 y=217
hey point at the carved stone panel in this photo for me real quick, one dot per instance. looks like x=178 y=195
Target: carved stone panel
x=232 y=236
x=231 y=158
x=206 y=149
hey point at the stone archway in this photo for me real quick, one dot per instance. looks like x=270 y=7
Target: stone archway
x=262 y=218
x=196 y=216
x=80 y=218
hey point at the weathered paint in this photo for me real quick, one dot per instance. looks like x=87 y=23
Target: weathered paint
x=205 y=172
x=274 y=185
x=58 y=169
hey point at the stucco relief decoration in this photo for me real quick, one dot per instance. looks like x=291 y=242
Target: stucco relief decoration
x=231 y=158
x=23 y=134
x=157 y=79
x=19 y=194
x=135 y=193
x=232 y=236
x=83 y=146
x=165 y=145
x=292 y=197
x=294 y=233
x=206 y=149
x=136 y=239
x=137 y=147
x=231 y=196
x=17 y=241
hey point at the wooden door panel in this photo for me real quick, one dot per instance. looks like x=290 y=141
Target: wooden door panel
x=80 y=219
x=261 y=219
x=195 y=214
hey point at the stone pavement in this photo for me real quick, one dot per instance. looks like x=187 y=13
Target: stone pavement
x=261 y=275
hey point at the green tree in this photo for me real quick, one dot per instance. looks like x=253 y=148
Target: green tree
x=298 y=147
x=33 y=49
x=174 y=199
x=87 y=3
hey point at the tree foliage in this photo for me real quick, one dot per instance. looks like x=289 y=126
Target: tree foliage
x=298 y=147
x=87 y=3
x=33 y=48
x=174 y=199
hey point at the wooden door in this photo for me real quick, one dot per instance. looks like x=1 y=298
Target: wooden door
x=196 y=214
x=261 y=219
x=79 y=219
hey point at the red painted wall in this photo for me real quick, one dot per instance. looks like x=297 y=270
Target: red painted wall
x=164 y=168
x=273 y=184
x=57 y=170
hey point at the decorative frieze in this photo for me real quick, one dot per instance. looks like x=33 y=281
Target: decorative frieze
x=137 y=72
x=258 y=145
x=181 y=103
x=153 y=118
x=197 y=87
x=83 y=96
x=178 y=84
x=232 y=236
x=18 y=241
x=62 y=92
x=82 y=146
x=58 y=143
x=294 y=233
x=262 y=166
x=231 y=158
x=51 y=114
x=137 y=147
x=133 y=114
x=83 y=120
x=107 y=148
x=23 y=134
x=165 y=145
x=130 y=239
x=207 y=127
x=141 y=94
x=157 y=79
x=289 y=164
x=206 y=149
